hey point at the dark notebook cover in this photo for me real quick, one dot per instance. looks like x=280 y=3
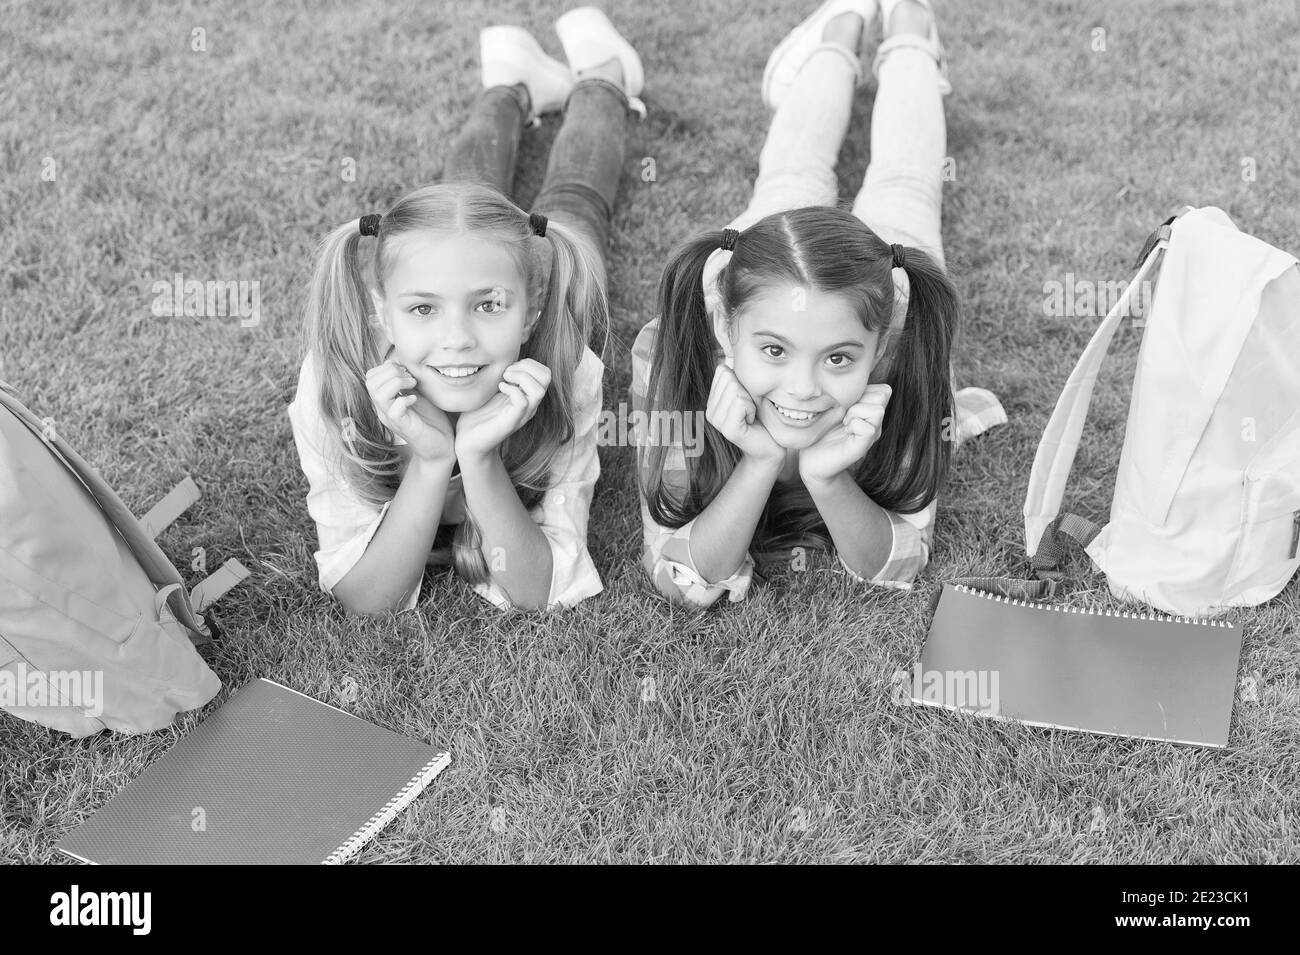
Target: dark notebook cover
x=1123 y=674
x=273 y=776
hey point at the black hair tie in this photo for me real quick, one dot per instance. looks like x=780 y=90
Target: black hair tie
x=370 y=225
x=729 y=237
x=900 y=260
x=537 y=222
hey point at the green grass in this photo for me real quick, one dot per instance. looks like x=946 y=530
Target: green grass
x=769 y=714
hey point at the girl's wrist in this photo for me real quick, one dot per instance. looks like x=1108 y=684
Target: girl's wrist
x=772 y=459
x=821 y=485
x=477 y=459
x=432 y=470
x=769 y=469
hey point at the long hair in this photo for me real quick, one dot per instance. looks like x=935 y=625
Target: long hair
x=830 y=250
x=565 y=282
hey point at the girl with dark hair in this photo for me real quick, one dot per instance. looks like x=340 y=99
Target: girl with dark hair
x=815 y=343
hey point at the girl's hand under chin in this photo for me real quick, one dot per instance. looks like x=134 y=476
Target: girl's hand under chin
x=413 y=418
x=732 y=411
x=481 y=431
x=848 y=442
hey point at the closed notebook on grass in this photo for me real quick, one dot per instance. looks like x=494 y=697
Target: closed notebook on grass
x=272 y=777
x=1122 y=674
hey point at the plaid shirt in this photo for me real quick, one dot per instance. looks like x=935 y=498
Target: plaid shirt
x=666 y=553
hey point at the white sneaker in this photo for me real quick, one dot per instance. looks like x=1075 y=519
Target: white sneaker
x=590 y=39
x=792 y=52
x=932 y=44
x=511 y=55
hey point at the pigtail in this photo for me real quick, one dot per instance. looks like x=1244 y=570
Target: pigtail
x=908 y=464
x=681 y=374
x=573 y=304
x=336 y=331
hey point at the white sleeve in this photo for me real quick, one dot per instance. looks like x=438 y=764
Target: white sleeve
x=345 y=522
x=909 y=553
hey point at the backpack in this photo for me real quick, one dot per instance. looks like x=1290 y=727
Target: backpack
x=97 y=630
x=1206 y=509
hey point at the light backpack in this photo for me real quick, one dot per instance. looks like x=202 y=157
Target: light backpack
x=1206 y=509
x=97 y=630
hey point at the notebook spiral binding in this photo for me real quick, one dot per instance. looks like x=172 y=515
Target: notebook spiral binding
x=1131 y=615
x=389 y=811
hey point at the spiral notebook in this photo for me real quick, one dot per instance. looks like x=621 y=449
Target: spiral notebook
x=273 y=776
x=1121 y=674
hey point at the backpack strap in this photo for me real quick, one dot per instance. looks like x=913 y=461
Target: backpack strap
x=212 y=587
x=163 y=514
x=1050 y=555
x=1160 y=234
x=1060 y=441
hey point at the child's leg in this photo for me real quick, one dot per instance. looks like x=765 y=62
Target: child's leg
x=902 y=193
x=587 y=155
x=488 y=143
x=587 y=158
x=519 y=80
x=797 y=165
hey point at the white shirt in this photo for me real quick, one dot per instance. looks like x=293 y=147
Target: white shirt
x=345 y=522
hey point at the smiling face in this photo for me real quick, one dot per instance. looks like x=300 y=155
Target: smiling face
x=456 y=309
x=804 y=356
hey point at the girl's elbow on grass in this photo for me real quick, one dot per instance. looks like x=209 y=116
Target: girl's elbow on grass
x=677 y=592
x=354 y=606
x=534 y=604
x=681 y=599
x=530 y=606
x=360 y=600
x=902 y=577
